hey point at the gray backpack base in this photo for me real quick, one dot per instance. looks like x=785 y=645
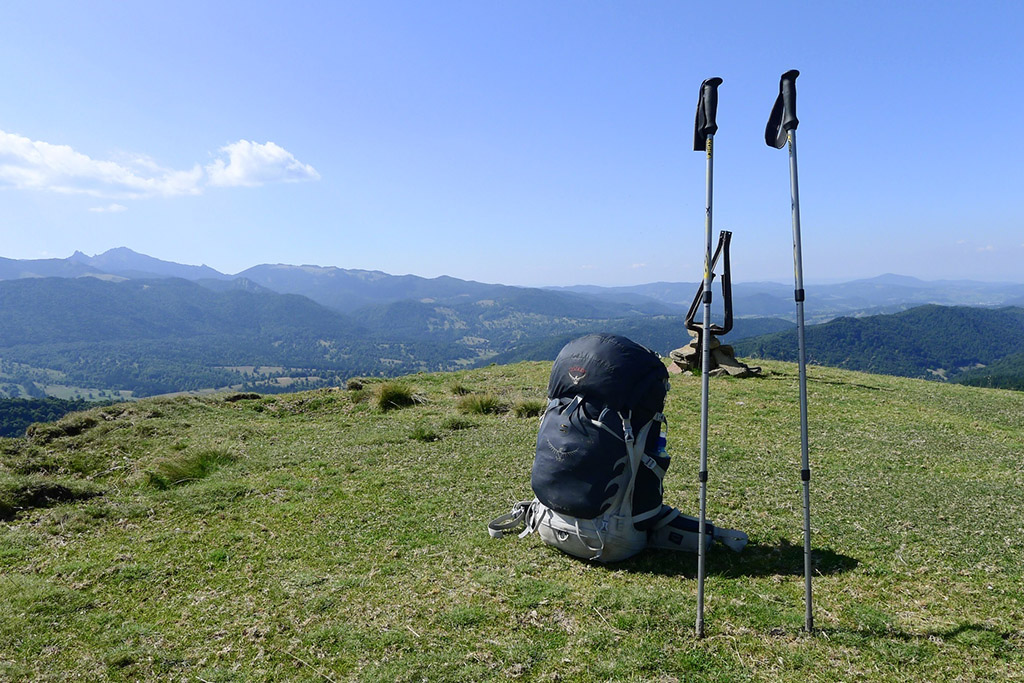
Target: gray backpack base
x=611 y=538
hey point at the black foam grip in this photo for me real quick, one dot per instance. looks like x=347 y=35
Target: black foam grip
x=707 y=111
x=788 y=88
x=707 y=296
x=798 y=295
x=702 y=477
x=805 y=475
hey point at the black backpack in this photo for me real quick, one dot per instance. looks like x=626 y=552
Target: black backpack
x=606 y=395
x=600 y=458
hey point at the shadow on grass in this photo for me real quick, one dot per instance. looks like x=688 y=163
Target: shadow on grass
x=757 y=559
x=968 y=634
x=820 y=380
x=39 y=493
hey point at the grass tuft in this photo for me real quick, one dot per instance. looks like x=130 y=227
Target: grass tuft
x=394 y=395
x=480 y=404
x=459 y=389
x=186 y=468
x=529 y=408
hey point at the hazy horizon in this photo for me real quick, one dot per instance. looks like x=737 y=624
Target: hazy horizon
x=550 y=286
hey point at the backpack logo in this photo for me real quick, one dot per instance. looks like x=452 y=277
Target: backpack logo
x=577 y=373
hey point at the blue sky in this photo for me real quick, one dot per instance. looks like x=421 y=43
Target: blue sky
x=526 y=142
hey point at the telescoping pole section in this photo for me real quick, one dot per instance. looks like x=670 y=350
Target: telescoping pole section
x=781 y=131
x=704 y=139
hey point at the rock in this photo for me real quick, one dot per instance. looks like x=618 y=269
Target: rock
x=723 y=360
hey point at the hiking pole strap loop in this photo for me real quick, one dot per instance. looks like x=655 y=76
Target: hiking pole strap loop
x=509 y=522
x=704 y=295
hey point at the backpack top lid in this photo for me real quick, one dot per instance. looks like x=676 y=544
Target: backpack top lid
x=609 y=369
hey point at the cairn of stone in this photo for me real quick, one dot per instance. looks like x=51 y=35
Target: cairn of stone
x=723 y=359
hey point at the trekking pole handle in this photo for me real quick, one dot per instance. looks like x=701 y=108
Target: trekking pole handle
x=707 y=110
x=709 y=99
x=788 y=88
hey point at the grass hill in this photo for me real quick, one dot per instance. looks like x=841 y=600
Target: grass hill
x=314 y=536
x=927 y=341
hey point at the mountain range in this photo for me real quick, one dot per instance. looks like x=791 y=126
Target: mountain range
x=347 y=290
x=136 y=324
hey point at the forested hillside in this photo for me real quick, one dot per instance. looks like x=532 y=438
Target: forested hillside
x=87 y=337
x=120 y=325
x=1007 y=373
x=159 y=336
x=929 y=341
x=18 y=413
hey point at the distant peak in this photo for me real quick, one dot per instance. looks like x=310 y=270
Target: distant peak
x=895 y=278
x=78 y=257
x=120 y=251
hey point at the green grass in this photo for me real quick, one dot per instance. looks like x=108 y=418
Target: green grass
x=425 y=433
x=329 y=542
x=480 y=404
x=181 y=469
x=394 y=395
x=529 y=408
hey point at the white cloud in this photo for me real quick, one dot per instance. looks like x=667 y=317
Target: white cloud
x=637 y=266
x=250 y=163
x=109 y=208
x=34 y=165
x=987 y=247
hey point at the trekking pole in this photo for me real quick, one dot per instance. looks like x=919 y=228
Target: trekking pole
x=782 y=129
x=704 y=130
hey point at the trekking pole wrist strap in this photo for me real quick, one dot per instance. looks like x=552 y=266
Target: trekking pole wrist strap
x=509 y=522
